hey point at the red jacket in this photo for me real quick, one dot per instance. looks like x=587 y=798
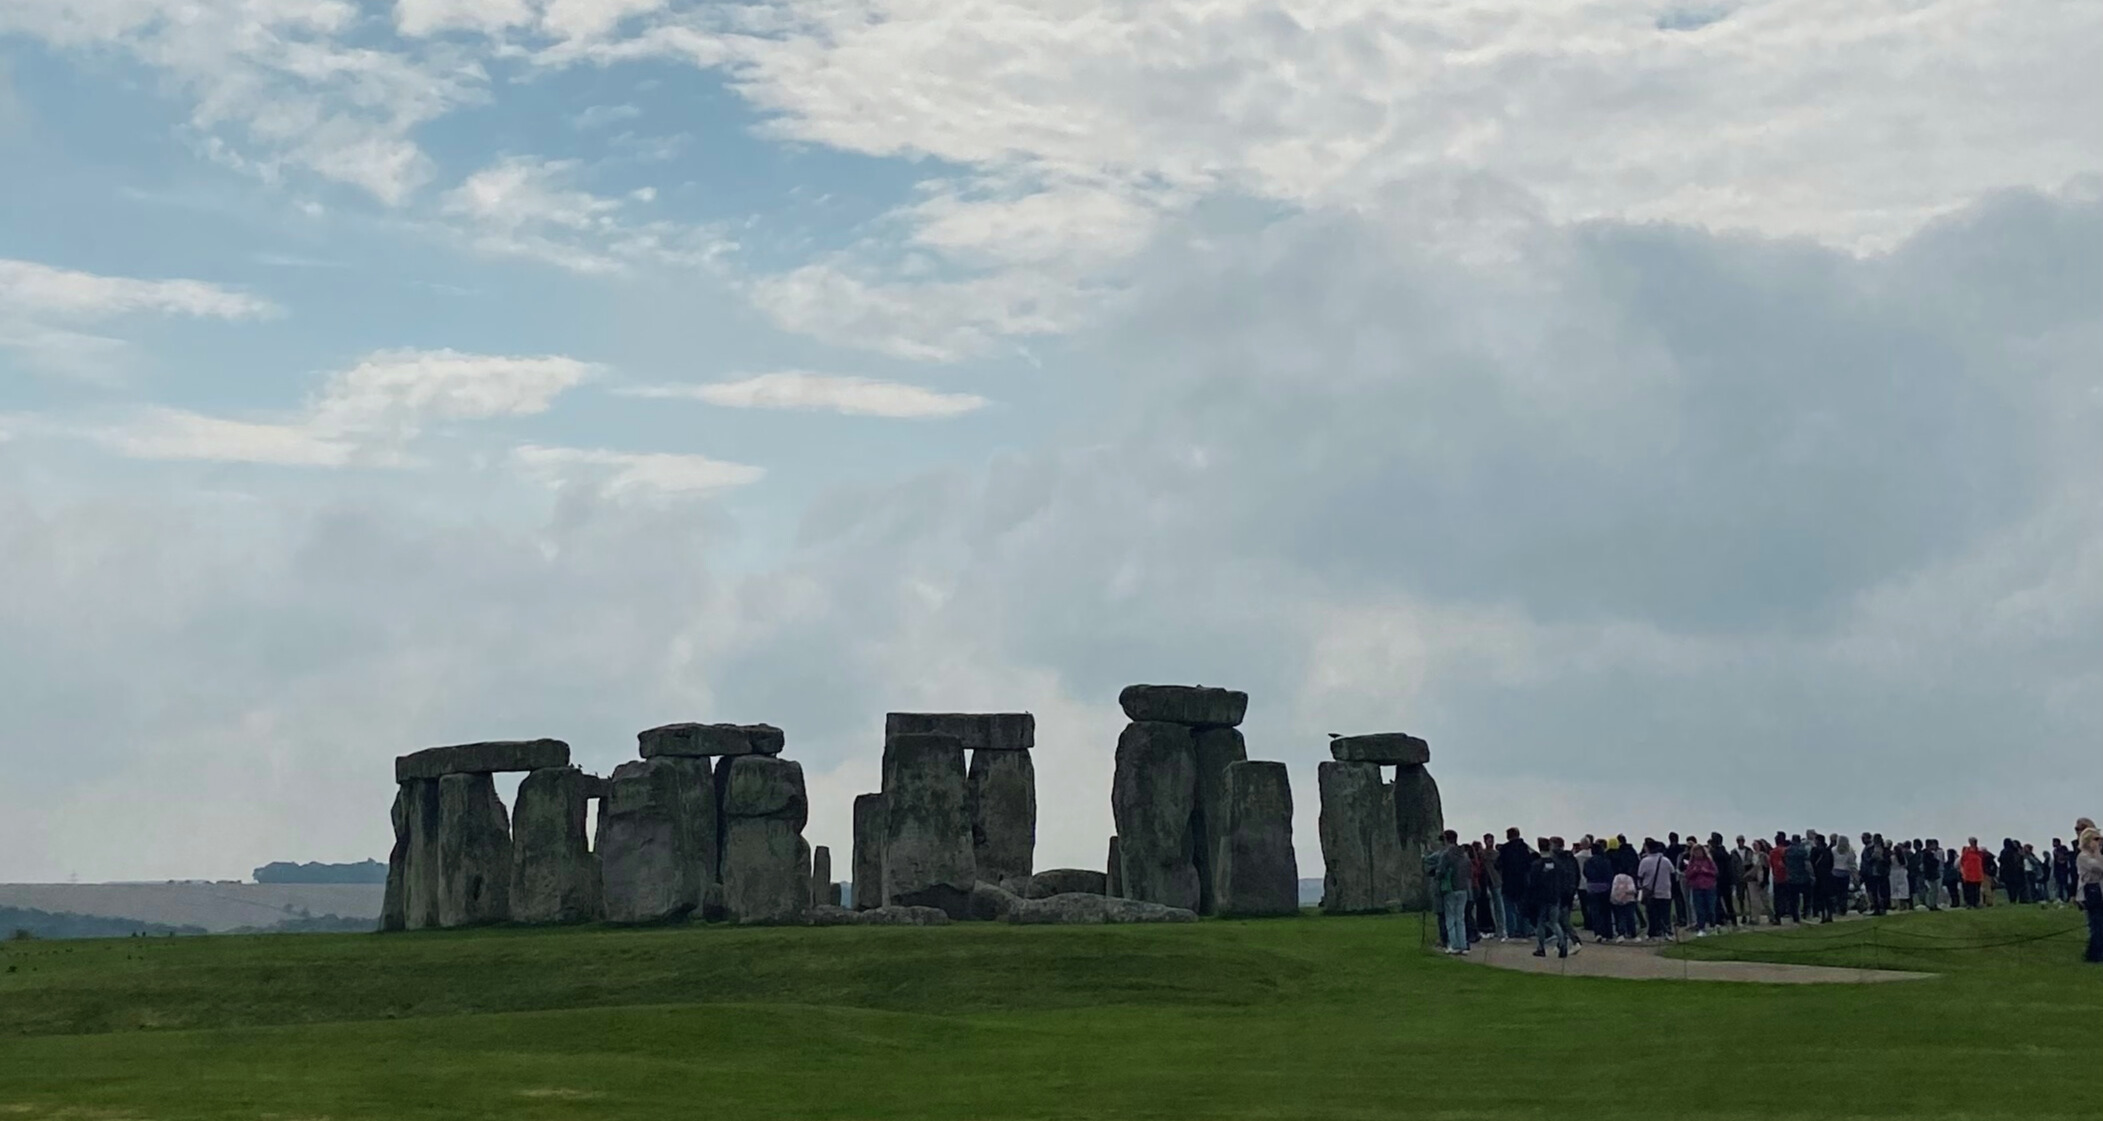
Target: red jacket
x=1779 y=870
x=1971 y=864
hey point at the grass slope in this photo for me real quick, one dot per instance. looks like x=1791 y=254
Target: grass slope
x=1329 y=1018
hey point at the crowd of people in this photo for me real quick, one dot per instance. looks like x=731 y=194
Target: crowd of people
x=1620 y=891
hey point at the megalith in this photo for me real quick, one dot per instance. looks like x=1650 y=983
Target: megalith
x=766 y=862
x=417 y=837
x=709 y=740
x=1257 y=872
x=1153 y=796
x=1394 y=749
x=868 y=852
x=1419 y=822
x=1193 y=706
x=1001 y=790
x=1361 y=849
x=656 y=839
x=1216 y=749
x=481 y=758
x=554 y=878
x=974 y=731
x=1114 y=873
x=1066 y=881
x=394 y=906
x=823 y=890
x=474 y=852
x=927 y=853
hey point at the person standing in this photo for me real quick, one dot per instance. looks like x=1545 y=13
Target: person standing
x=1778 y=875
x=1655 y=880
x=1726 y=881
x=1548 y=897
x=1845 y=864
x=2088 y=888
x=1452 y=873
x=2062 y=872
x=1701 y=887
x=1901 y=877
x=1753 y=877
x=1801 y=883
x=1514 y=860
x=1824 y=893
x=1876 y=872
x=1971 y=868
x=1599 y=881
x=1930 y=886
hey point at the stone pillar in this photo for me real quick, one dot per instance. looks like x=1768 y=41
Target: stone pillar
x=1153 y=795
x=766 y=861
x=656 y=839
x=1361 y=850
x=394 y=907
x=1001 y=792
x=474 y=852
x=1258 y=874
x=868 y=852
x=1217 y=749
x=927 y=824
x=554 y=878
x=822 y=887
x=1114 y=873
x=420 y=883
x=1419 y=822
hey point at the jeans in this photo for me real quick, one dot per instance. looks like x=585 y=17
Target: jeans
x=1625 y=920
x=1598 y=918
x=1555 y=923
x=1838 y=891
x=2095 y=934
x=1971 y=894
x=1660 y=917
x=1704 y=908
x=1515 y=924
x=1785 y=903
x=1456 y=911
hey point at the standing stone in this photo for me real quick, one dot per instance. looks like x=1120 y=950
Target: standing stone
x=1153 y=796
x=553 y=876
x=474 y=852
x=1258 y=873
x=394 y=908
x=1114 y=873
x=657 y=839
x=1419 y=822
x=1002 y=793
x=1194 y=706
x=766 y=861
x=868 y=851
x=822 y=887
x=1216 y=750
x=1361 y=851
x=421 y=886
x=927 y=825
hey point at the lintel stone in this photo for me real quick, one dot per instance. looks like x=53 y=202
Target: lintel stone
x=481 y=759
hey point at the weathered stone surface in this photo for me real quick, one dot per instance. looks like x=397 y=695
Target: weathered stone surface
x=868 y=851
x=656 y=839
x=830 y=914
x=1197 y=706
x=1153 y=795
x=421 y=886
x=902 y=915
x=762 y=786
x=835 y=893
x=1078 y=908
x=394 y=907
x=1114 y=872
x=481 y=758
x=474 y=852
x=766 y=862
x=1258 y=873
x=977 y=731
x=822 y=887
x=1419 y=820
x=927 y=824
x=1360 y=849
x=1001 y=791
x=1216 y=750
x=1390 y=748
x=992 y=902
x=1066 y=881
x=710 y=739
x=554 y=878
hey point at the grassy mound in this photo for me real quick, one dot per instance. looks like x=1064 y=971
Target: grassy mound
x=1330 y=1018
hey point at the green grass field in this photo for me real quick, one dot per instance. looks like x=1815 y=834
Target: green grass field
x=1314 y=1018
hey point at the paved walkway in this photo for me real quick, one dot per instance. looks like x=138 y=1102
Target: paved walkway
x=1647 y=963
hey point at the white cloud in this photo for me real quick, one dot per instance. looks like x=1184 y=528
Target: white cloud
x=30 y=288
x=532 y=208
x=633 y=476
x=600 y=116
x=796 y=389
x=417 y=18
x=368 y=414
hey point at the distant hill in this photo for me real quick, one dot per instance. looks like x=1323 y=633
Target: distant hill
x=214 y=906
x=64 y=924
x=282 y=872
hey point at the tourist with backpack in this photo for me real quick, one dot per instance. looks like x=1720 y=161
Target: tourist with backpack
x=1656 y=880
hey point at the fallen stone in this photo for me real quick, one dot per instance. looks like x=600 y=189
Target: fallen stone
x=1420 y=819
x=868 y=851
x=554 y=878
x=1389 y=748
x=830 y=914
x=481 y=758
x=710 y=740
x=977 y=731
x=1361 y=852
x=421 y=886
x=992 y=902
x=1258 y=873
x=1215 y=750
x=474 y=852
x=1195 y=706
x=656 y=840
x=1082 y=909
x=1114 y=873
x=1067 y=881
x=927 y=824
x=1134 y=910
x=1001 y=792
x=1153 y=794
x=901 y=915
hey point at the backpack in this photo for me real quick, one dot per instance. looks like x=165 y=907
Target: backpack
x=1624 y=890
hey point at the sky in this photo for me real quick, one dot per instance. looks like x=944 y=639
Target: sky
x=1685 y=416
